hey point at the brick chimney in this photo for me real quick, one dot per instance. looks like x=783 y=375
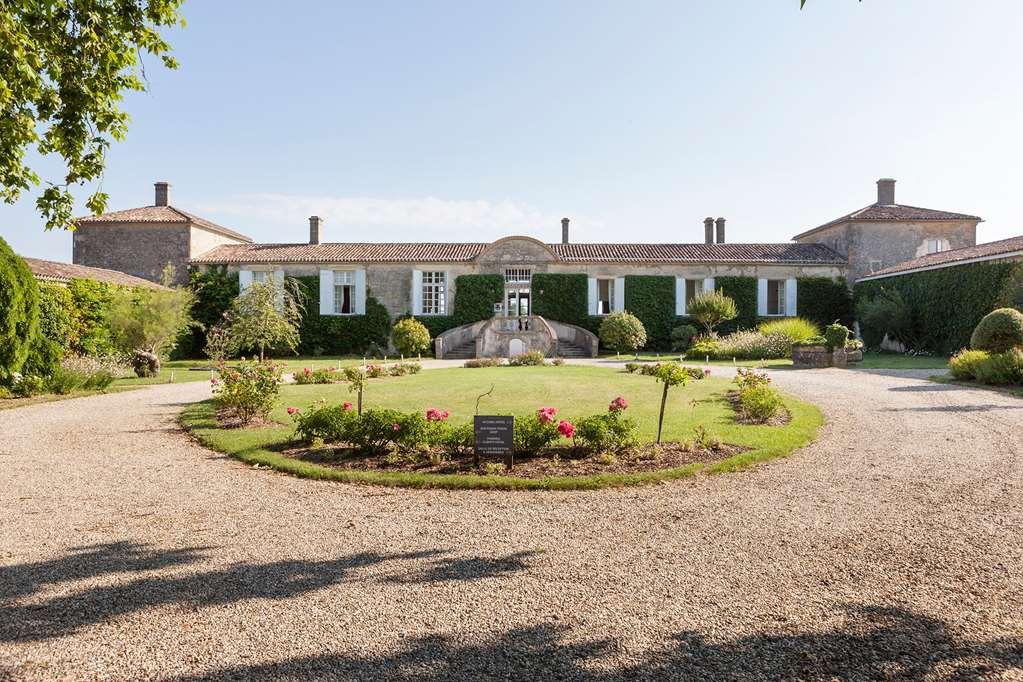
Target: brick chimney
x=886 y=192
x=162 y=193
x=708 y=230
x=564 y=230
x=720 y=225
x=315 y=229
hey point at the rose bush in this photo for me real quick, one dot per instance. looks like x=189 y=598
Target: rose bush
x=250 y=389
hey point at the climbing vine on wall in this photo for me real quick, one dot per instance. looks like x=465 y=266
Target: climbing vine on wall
x=651 y=298
x=824 y=300
x=561 y=297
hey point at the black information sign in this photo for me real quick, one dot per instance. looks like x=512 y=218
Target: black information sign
x=494 y=436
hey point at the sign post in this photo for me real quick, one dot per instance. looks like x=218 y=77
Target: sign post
x=494 y=438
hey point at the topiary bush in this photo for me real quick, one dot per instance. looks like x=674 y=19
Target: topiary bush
x=622 y=331
x=682 y=337
x=998 y=331
x=410 y=337
x=651 y=298
x=836 y=335
x=19 y=312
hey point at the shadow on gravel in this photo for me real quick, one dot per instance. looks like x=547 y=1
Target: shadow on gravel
x=930 y=387
x=281 y=580
x=876 y=643
x=988 y=407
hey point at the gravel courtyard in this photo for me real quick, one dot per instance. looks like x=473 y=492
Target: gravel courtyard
x=890 y=548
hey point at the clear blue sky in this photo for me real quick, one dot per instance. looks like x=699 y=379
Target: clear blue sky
x=469 y=121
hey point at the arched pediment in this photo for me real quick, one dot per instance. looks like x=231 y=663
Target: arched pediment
x=517 y=249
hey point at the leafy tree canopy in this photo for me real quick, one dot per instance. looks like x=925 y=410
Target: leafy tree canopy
x=65 y=67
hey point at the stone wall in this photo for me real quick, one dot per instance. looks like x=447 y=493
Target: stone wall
x=141 y=249
x=870 y=246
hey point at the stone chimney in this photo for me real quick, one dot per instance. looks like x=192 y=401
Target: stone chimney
x=564 y=230
x=162 y=193
x=708 y=230
x=720 y=224
x=315 y=229
x=886 y=192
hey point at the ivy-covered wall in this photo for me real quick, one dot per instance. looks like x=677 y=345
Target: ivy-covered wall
x=562 y=297
x=824 y=300
x=743 y=290
x=340 y=334
x=475 y=296
x=651 y=298
x=946 y=304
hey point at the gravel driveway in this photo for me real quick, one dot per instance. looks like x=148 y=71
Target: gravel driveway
x=890 y=548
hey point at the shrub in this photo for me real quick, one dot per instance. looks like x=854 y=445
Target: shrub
x=456 y=438
x=329 y=423
x=682 y=337
x=1000 y=369
x=533 y=358
x=633 y=367
x=483 y=362
x=818 y=340
x=44 y=357
x=323 y=375
x=750 y=378
x=249 y=390
x=836 y=335
x=622 y=331
x=998 y=331
x=704 y=348
x=64 y=381
x=218 y=343
x=148 y=320
x=98 y=381
x=795 y=328
x=27 y=385
x=963 y=365
x=711 y=308
x=611 y=432
x=536 y=431
x=376 y=429
x=885 y=313
x=759 y=403
x=115 y=365
x=410 y=336
x=375 y=371
x=743 y=345
x=19 y=312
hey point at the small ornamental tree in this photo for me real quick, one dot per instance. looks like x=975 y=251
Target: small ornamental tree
x=1000 y=330
x=265 y=316
x=19 y=312
x=622 y=332
x=148 y=322
x=356 y=380
x=410 y=336
x=669 y=374
x=711 y=308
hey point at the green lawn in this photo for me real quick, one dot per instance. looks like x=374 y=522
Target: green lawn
x=576 y=391
x=177 y=371
x=896 y=361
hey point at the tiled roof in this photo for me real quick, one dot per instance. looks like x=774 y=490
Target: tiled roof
x=52 y=271
x=1004 y=247
x=425 y=252
x=159 y=214
x=892 y=213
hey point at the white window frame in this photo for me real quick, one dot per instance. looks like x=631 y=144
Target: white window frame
x=518 y=275
x=938 y=244
x=434 y=292
x=347 y=278
x=781 y=298
x=610 y=282
x=261 y=276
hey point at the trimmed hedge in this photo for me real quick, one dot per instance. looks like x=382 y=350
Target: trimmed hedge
x=651 y=298
x=563 y=298
x=475 y=296
x=945 y=305
x=214 y=290
x=823 y=300
x=19 y=312
x=743 y=290
x=337 y=334
x=91 y=303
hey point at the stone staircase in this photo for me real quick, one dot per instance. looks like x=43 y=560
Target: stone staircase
x=570 y=350
x=466 y=351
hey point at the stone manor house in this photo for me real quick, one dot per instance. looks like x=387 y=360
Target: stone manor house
x=421 y=277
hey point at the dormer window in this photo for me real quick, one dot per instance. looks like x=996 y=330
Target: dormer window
x=935 y=245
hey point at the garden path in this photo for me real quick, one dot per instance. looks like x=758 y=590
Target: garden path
x=892 y=546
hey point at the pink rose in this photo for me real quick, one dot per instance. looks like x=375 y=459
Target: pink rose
x=617 y=405
x=346 y=406
x=214 y=382
x=396 y=427
x=307 y=370
x=546 y=414
x=566 y=429
x=706 y=372
x=292 y=410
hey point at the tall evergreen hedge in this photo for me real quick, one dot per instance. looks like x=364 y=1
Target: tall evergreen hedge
x=823 y=300
x=743 y=290
x=475 y=296
x=19 y=312
x=945 y=305
x=651 y=298
x=561 y=297
x=214 y=290
x=340 y=334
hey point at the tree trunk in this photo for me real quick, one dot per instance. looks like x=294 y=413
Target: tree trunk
x=360 y=402
x=660 y=419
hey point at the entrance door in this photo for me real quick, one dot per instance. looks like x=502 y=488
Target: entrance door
x=517 y=302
